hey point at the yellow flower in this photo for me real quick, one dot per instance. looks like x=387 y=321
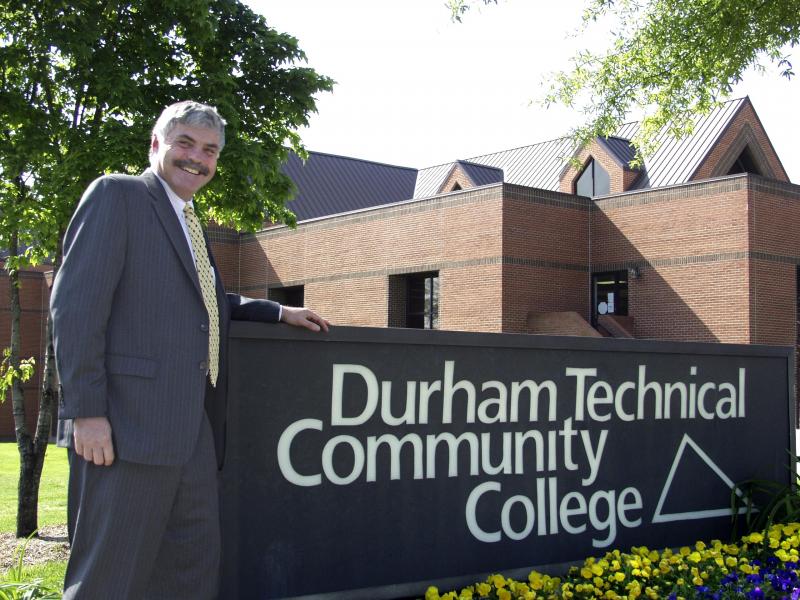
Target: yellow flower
x=695 y=557
x=754 y=538
x=518 y=588
x=484 y=589
x=586 y=573
x=503 y=594
x=536 y=580
x=697 y=580
x=466 y=594
x=731 y=562
x=498 y=581
x=619 y=576
x=432 y=593
x=597 y=569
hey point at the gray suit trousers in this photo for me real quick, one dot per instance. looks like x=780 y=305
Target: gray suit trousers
x=168 y=517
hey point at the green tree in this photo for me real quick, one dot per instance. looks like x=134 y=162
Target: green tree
x=670 y=59
x=81 y=84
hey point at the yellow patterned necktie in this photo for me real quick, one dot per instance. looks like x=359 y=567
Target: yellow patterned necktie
x=206 y=275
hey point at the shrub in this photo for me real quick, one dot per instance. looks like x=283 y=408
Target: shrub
x=16 y=588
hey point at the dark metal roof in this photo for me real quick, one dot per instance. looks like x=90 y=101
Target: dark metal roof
x=328 y=184
x=430 y=180
x=675 y=161
x=536 y=166
x=620 y=149
x=540 y=165
x=481 y=174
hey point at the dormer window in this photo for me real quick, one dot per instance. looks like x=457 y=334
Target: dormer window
x=456 y=187
x=593 y=180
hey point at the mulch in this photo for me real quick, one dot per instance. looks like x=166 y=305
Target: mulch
x=49 y=546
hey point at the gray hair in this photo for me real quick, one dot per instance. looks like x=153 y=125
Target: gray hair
x=190 y=113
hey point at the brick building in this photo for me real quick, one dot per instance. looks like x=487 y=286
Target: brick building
x=698 y=244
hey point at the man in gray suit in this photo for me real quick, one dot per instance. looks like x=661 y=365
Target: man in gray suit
x=141 y=319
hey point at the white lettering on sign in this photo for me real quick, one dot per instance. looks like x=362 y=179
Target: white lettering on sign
x=655 y=399
x=603 y=511
x=553 y=445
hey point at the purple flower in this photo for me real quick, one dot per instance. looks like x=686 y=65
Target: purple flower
x=730 y=578
x=756 y=594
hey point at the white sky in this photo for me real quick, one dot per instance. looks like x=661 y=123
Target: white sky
x=414 y=89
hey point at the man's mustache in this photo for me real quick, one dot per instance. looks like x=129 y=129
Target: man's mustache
x=203 y=170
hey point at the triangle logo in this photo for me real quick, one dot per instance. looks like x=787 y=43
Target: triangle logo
x=661 y=517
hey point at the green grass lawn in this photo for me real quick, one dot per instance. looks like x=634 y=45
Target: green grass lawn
x=52 y=489
x=52 y=504
x=51 y=574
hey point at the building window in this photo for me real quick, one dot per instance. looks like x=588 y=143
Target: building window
x=745 y=163
x=593 y=180
x=414 y=300
x=609 y=294
x=456 y=187
x=288 y=296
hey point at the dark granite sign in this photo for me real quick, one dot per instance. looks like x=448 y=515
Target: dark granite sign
x=383 y=460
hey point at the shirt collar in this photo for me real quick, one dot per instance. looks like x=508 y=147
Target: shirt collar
x=177 y=202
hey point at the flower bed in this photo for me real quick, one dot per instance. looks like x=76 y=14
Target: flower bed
x=758 y=566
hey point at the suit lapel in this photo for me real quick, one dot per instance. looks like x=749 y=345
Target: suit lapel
x=168 y=219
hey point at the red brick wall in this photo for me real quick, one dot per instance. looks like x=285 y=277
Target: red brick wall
x=546 y=249
x=775 y=245
x=225 y=247
x=344 y=262
x=690 y=244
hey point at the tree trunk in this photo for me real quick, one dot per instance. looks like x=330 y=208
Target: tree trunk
x=32 y=459
x=31 y=451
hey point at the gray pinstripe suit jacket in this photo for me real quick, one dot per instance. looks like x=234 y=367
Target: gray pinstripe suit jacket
x=130 y=326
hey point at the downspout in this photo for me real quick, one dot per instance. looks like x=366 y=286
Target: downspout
x=751 y=208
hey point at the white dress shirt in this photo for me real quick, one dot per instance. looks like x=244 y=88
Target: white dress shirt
x=177 y=204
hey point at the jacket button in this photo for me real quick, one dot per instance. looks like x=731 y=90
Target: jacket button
x=204 y=365
x=203 y=327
